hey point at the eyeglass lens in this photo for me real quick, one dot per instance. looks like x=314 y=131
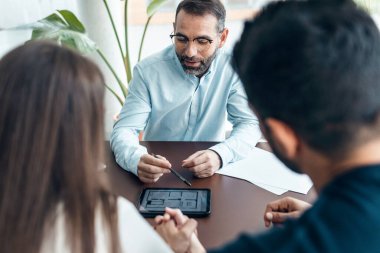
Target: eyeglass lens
x=181 y=42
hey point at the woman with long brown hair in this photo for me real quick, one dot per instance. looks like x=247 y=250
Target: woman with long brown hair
x=51 y=146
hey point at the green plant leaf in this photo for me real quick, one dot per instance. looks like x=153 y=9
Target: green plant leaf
x=54 y=19
x=50 y=23
x=72 y=21
x=154 y=6
x=65 y=29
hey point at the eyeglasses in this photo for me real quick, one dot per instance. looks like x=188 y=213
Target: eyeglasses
x=181 y=42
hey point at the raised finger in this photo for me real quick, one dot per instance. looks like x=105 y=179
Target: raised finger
x=186 y=162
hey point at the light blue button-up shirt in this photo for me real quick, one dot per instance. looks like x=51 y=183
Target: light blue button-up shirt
x=170 y=105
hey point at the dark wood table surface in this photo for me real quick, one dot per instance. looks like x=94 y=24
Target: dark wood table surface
x=236 y=205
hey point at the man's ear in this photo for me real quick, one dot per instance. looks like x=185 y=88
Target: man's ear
x=286 y=140
x=223 y=37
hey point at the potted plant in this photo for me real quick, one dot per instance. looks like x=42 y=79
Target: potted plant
x=64 y=27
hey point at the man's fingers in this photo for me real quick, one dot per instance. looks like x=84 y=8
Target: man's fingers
x=287 y=204
x=205 y=164
x=200 y=167
x=148 y=180
x=161 y=157
x=268 y=217
x=203 y=158
x=149 y=174
x=278 y=217
x=187 y=162
x=147 y=177
x=205 y=173
x=279 y=210
x=152 y=169
x=149 y=170
x=279 y=205
x=158 y=161
x=203 y=170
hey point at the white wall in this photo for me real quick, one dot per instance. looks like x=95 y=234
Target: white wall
x=18 y=12
x=98 y=26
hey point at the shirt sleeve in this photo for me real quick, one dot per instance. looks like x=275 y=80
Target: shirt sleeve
x=133 y=118
x=136 y=234
x=245 y=132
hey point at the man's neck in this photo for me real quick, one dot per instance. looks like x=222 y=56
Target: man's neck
x=322 y=170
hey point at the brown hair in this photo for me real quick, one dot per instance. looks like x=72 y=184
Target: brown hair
x=51 y=144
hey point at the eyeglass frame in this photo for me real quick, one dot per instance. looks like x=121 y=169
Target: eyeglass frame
x=210 y=41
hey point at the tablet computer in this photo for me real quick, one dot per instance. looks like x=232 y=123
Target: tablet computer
x=192 y=202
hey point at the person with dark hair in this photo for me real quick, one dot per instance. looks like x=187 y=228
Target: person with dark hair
x=185 y=93
x=311 y=70
x=52 y=195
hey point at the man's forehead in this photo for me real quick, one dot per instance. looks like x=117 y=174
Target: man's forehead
x=195 y=25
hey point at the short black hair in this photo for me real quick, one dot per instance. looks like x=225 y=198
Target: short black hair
x=202 y=7
x=314 y=65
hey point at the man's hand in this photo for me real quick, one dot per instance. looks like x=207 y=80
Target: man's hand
x=280 y=210
x=203 y=163
x=178 y=231
x=150 y=168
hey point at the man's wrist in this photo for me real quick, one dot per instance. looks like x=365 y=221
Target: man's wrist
x=219 y=157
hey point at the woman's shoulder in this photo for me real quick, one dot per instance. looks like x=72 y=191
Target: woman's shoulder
x=136 y=234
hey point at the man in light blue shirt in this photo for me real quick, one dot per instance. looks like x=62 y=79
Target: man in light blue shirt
x=185 y=93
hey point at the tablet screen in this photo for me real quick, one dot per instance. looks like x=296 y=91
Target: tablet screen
x=192 y=202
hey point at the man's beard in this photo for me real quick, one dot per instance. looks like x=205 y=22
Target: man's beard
x=196 y=71
x=288 y=163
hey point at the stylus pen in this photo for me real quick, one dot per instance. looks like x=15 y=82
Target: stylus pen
x=176 y=173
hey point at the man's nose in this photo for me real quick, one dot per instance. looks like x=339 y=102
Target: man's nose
x=191 y=49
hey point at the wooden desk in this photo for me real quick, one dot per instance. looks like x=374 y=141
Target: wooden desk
x=236 y=205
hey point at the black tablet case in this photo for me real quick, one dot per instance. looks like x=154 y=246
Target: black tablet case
x=192 y=202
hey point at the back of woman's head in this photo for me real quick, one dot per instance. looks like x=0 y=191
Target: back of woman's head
x=51 y=142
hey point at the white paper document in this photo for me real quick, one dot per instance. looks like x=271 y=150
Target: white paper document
x=275 y=190
x=263 y=169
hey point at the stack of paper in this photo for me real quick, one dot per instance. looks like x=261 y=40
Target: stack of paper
x=263 y=169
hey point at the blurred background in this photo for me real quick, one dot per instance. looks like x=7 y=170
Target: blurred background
x=93 y=14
